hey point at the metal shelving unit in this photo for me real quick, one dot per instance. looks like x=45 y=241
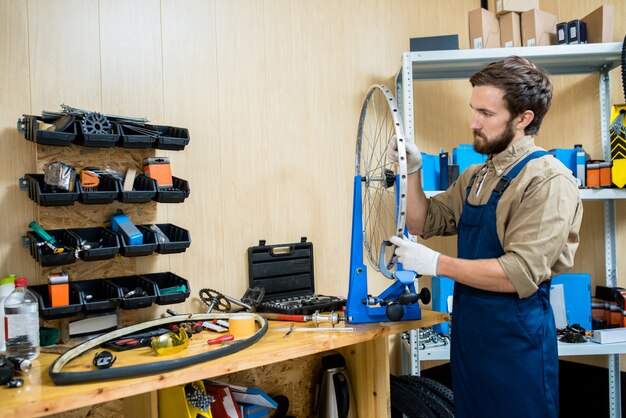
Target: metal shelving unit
x=558 y=60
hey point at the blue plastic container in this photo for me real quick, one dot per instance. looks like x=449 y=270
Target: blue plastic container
x=430 y=172
x=464 y=156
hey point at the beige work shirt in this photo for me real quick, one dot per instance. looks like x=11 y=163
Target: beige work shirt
x=537 y=219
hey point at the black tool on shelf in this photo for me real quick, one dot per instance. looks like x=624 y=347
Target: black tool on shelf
x=285 y=272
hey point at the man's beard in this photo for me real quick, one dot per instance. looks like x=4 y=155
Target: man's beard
x=496 y=146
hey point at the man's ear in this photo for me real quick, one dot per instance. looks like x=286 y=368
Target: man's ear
x=525 y=118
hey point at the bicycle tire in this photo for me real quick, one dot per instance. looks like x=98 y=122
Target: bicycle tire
x=404 y=401
x=440 y=389
x=440 y=406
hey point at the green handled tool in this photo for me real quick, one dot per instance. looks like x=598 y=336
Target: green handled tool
x=47 y=238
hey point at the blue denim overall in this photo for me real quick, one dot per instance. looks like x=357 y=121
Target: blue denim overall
x=504 y=357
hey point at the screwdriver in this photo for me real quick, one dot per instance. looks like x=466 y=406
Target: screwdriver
x=219 y=340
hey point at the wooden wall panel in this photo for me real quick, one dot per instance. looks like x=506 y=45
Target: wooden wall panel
x=191 y=92
x=19 y=156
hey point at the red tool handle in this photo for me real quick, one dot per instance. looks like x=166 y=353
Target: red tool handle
x=283 y=317
x=223 y=338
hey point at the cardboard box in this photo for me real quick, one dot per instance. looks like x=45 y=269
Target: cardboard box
x=610 y=335
x=538 y=28
x=484 y=29
x=506 y=6
x=510 y=30
x=600 y=24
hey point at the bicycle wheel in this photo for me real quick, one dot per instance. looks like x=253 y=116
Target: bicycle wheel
x=384 y=182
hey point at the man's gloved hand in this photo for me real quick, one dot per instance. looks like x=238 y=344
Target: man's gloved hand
x=413 y=155
x=415 y=257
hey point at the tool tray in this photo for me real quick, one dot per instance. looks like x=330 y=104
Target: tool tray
x=98 y=140
x=148 y=247
x=133 y=137
x=168 y=280
x=45 y=195
x=171 y=138
x=106 y=191
x=124 y=284
x=29 y=124
x=285 y=272
x=144 y=190
x=97 y=295
x=44 y=255
x=104 y=243
x=47 y=311
x=180 y=238
x=175 y=194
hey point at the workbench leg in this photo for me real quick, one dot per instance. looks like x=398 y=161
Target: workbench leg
x=368 y=365
x=144 y=405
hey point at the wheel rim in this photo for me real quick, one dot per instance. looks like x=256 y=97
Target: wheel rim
x=383 y=182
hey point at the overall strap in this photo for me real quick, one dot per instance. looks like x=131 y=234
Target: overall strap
x=508 y=177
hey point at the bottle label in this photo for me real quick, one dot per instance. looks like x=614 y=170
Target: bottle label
x=19 y=325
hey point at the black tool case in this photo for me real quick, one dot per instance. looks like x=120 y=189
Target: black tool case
x=285 y=272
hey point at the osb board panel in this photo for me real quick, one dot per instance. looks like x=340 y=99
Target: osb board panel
x=298 y=382
x=111 y=409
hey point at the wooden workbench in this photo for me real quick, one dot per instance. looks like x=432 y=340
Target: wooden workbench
x=365 y=350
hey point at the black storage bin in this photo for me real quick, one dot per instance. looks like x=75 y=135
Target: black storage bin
x=45 y=195
x=148 y=247
x=98 y=140
x=144 y=190
x=126 y=284
x=172 y=138
x=176 y=194
x=98 y=295
x=48 y=312
x=106 y=191
x=167 y=280
x=63 y=137
x=45 y=256
x=136 y=137
x=180 y=239
x=104 y=243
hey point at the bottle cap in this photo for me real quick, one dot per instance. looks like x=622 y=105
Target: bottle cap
x=20 y=282
x=7 y=280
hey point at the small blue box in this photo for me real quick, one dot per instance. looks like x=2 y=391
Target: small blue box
x=577 y=292
x=120 y=223
x=430 y=172
x=464 y=156
x=443 y=288
x=567 y=156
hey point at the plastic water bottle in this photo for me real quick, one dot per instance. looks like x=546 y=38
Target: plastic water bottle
x=21 y=321
x=6 y=287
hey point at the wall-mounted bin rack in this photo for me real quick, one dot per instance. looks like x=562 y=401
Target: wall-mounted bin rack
x=63 y=135
x=106 y=192
x=44 y=255
x=127 y=284
x=179 y=238
x=172 y=138
x=98 y=295
x=178 y=193
x=96 y=243
x=169 y=287
x=46 y=195
x=144 y=190
x=148 y=247
x=47 y=311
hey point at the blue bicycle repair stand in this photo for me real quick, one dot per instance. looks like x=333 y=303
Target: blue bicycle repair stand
x=358 y=308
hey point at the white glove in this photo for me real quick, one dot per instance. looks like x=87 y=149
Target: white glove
x=413 y=155
x=415 y=257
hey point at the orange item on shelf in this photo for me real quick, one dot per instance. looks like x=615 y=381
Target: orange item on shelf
x=160 y=170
